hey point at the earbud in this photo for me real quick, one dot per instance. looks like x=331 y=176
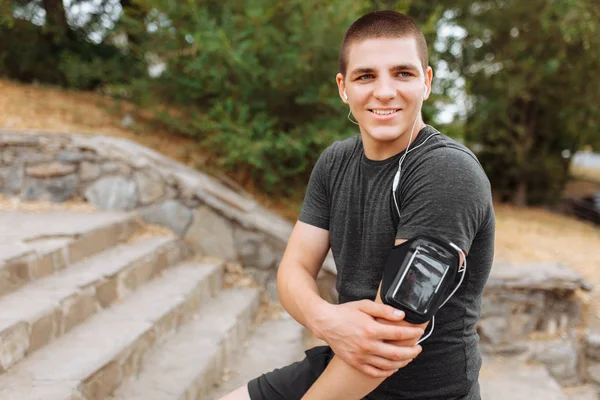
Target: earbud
x=425 y=92
x=345 y=95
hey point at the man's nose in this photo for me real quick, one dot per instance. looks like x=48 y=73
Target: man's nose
x=384 y=90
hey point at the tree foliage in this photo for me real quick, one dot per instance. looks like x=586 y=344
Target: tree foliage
x=529 y=68
x=38 y=42
x=253 y=81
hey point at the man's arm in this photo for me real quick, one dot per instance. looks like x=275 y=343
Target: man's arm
x=352 y=330
x=340 y=381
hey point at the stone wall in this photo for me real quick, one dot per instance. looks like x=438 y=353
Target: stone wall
x=117 y=174
x=534 y=312
x=522 y=299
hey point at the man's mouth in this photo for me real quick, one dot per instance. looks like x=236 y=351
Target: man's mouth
x=384 y=112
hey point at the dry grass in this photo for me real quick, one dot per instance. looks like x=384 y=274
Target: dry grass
x=536 y=235
x=523 y=235
x=43 y=108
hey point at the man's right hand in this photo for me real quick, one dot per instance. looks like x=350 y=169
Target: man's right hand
x=359 y=333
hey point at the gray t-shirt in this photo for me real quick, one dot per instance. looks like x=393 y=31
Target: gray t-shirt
x=443 y=192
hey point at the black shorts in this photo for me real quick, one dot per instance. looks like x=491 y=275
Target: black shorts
x=293 y=381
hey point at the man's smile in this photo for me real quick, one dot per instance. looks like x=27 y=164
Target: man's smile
x=384 y=111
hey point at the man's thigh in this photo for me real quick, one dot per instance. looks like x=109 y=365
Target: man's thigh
x=293 y=381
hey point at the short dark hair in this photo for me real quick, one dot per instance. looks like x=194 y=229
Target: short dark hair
x=383 y=24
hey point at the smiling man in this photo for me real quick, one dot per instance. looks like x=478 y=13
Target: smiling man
x=396 y=180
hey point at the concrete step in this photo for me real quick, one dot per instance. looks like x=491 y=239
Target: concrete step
x=274 y=344
x=34 y=245
x=91 y=360
x=48 y=308
x=189 y=364
x=504 y=378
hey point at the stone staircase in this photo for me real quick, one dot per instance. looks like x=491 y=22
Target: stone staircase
x=96 y=306
x=99 y=306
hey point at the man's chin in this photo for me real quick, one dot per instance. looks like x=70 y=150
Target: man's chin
x=384 y=135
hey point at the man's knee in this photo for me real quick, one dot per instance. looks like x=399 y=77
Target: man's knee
x=240 y=393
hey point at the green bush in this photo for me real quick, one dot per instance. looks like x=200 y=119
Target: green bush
x=255 y=83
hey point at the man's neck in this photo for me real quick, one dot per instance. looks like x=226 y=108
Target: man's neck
x=380 y=150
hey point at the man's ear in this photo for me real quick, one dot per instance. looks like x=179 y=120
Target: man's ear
x=339 y=79
x=428 y=81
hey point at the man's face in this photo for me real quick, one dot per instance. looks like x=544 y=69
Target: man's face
x=385 y=84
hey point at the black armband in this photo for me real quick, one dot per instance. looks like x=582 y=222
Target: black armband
x=420 y=275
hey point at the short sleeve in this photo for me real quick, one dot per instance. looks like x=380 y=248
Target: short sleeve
x=447 y=195
x=315 y=208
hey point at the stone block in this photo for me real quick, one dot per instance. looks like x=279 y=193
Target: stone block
x=14 y=342
x=78 y=307
x=58 y=189
x=34 y=157
x=102 y=383
x=508 y=302
x=138 y=273
x=60 y=258
x=70 y=156
x=150 y=187
x=253 y=250
x=259 y=275
x=562 y=361
x=171 y=214
x=133 y=358
x=167 y=324
x=112 y=167
x=593 y=372
x=7 y=156
x=42 y=265
x=19 y=140
x=211 y=235
x=88 y=171
x=194 y=301
x=11 y=179
x=501 y=330
x=542 y=276
x=44 y=329
x=271 y=289
x=112 y=193
x=592 y=345
x=106 y=292
x=493 y=330
x=93 y=242
x=13 y=275
x=50 y=170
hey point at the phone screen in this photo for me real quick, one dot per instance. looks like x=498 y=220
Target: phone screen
x=421 y=282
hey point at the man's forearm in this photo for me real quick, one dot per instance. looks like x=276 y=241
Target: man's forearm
x=299 y=295
x=340 y=381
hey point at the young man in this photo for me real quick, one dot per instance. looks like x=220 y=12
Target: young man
x=350 y=207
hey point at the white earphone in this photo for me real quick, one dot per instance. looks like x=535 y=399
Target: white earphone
x=345 y=95
x=396 y=180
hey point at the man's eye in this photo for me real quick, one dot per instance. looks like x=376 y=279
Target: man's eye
x=365 y=77
x=404 y=74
